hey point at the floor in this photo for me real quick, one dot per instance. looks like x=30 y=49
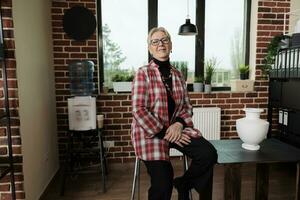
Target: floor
x=87 y=185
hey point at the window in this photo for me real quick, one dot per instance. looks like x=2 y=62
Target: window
x=124 y=33
x=125 y=25
x=171 y=19
x=224 y=37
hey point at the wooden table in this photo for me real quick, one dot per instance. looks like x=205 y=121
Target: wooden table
x=232 y=156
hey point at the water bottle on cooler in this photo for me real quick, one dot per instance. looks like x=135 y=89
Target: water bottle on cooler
x=81 y=78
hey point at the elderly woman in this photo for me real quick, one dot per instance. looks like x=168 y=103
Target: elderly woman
x=162 y=118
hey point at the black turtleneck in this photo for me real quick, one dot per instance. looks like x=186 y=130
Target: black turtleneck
x=165 y=71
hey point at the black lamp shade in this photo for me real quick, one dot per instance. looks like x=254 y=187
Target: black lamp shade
x=188 y=28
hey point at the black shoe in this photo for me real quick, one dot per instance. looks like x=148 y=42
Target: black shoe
x=183 y=192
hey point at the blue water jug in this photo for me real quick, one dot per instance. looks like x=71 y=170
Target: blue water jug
x=81 y=78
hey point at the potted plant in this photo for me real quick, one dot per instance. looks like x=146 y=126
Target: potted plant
x=198 y=83
x=244 y=71
x=122 y=81
x=272 y=50
x=210 y=67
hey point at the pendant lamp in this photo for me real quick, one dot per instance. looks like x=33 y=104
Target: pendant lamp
x=188 y=28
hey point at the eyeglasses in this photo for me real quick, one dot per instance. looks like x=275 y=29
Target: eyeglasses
x=164 y=40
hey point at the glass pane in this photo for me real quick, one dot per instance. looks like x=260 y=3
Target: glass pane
x=124 y=29
x=224 y=35
x=172 y=18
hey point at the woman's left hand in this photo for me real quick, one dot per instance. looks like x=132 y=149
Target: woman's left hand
x=174 y=132
x=184 y=140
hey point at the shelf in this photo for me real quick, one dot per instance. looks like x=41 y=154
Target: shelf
x=287 y=64
x=7 y=162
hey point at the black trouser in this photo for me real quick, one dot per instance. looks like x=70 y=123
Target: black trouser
x=200 y=171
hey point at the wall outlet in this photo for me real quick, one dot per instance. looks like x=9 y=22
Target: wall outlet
x=108 y=144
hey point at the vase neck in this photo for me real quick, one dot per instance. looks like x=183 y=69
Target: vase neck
x=252 y=115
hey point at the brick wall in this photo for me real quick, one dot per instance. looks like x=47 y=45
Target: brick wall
x=10 y=61
x=66 y=51
x=117 y=108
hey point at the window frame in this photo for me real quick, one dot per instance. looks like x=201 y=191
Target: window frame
x=199 y=42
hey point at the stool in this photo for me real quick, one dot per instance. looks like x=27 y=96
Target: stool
x=87 y=147
x=136 y=176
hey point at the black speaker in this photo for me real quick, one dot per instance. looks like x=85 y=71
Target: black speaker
x=79 y=23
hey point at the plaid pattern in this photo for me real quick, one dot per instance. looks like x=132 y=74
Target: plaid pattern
x=150 y=111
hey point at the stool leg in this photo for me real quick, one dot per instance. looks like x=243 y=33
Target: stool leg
x=185 y=167
x=139 y=180
x=103 y=167
x=136 y=179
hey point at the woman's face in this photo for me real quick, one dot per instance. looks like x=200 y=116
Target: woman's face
x=160 y=46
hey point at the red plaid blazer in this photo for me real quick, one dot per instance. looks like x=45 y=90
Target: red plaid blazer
x=150 y=111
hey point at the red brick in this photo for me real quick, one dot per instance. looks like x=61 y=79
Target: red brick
x=112 y=103
x=269 y=4
x=281 y=4
x=89 y=49
x=218 y=101
x=72 y=49
x=113 y=115
x=56 y=11
x=209 y=95
x=232 y=100
x=120 y=121
x=237 y=106
x=224 y=106
x=203 y=101
x=127 y=115
x=237 y=94
x=223 y=95
x=194 y=95
x=59 y=4
x=127 y=126
x=120 y=97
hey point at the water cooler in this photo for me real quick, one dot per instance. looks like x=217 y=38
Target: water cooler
x=81 y=107
x=82 y=122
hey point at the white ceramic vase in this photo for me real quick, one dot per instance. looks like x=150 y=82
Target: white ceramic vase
x=251 y=129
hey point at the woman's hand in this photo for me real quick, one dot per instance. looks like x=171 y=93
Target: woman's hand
x=173 y=133
x=184 y=140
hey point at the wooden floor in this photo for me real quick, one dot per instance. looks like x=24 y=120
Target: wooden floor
x=87 y=186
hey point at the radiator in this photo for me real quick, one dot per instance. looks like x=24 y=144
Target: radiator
x=208 y=121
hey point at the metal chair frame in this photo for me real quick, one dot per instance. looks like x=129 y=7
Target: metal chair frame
x=136 y=176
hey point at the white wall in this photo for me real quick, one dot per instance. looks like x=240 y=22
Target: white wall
x=35 y=75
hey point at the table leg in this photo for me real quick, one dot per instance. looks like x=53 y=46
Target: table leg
x=206 y=193
x=298 y=182
x=262 y=181
x=232 y=182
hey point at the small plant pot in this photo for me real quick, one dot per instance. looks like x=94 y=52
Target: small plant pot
x=207 y=88
x=244 y=76
x=198 y=87
x=122 y=86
